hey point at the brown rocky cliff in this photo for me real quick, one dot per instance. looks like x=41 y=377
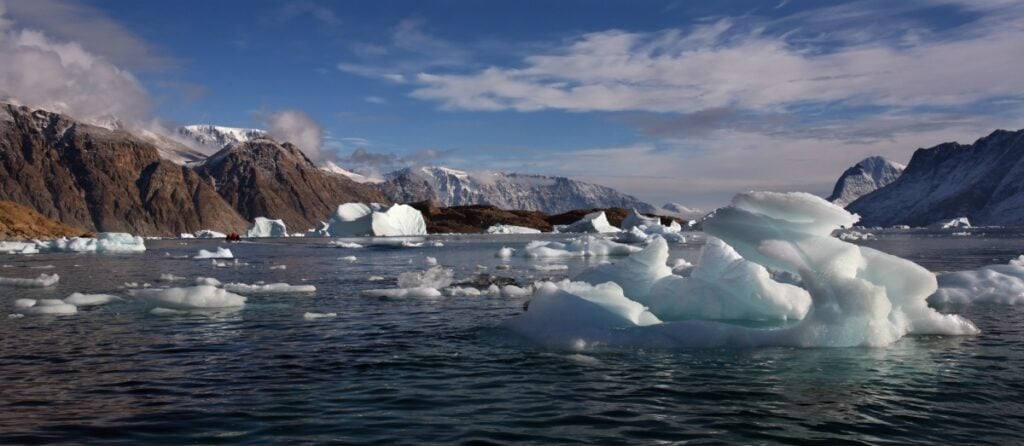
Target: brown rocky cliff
x=18 y=222
x=100 y=179
x=263 y=178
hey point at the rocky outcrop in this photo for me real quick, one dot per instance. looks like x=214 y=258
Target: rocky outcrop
x=264 y=178
x=102 y=180
x=477 y=218
x=983 y=181
x=18 y=222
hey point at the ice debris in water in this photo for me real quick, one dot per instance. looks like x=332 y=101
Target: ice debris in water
x=505 y=252
x=510 y=229
x=430 y=261
x=220 y=253
x=358 y=220
x=268 y=288
x=189 y=298
x=587 y=246
x=265 y=227
x=858 y=296
x=44 y=280
x=349 y=259
x=592 y=223
x=278 y=267
x=18 y=248
x=417 y=284
x=313 y=316
x=208 y=233
x=44 y=306
x=342 y=244
x=90 y=300
x=168 y=277
x=997 y=284
x=104 y=242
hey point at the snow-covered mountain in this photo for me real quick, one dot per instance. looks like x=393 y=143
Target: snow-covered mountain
x=330 y=166
x=983 y=181
x=685 y=212
x=217 y=137
x=868 y=175
x=450 y=187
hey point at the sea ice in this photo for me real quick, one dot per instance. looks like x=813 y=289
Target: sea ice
x=168 y=277
x=956 y=223
x=341 y=244
x=190 y=298
x=268 y=288
x=505 y=252
x=45 y=306
x=104 y=242
x=349 y=259
x=220 y=253
x=511 y=229
x=997 y=284
x=417 y=284
x=265 y=227
x=313 y=316
x=635 y=219
x=90 y=300
x=44 y=280
x=592 y=223
x=430 y=261
x=18 y=248
x=209 y=233
x=586 y=246
x=859 y=296
x=402 y=293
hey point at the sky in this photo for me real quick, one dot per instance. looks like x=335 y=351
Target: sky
x=670 y=101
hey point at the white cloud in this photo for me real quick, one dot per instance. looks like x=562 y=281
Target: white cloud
x=721 y=65
x=296 y=127
x=41 y=72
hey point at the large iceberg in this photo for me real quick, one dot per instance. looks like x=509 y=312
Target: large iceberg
x=858 y=296
x=592 y=223
x=265 y=227
x=360 y=220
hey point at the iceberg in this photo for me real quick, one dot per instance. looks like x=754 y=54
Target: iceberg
x=268 y=288
x=361 y=220
x=220 y=253
x=635 y=219
x=511 y=229
x=189 y=298
x=265 y=227
x=956 y=223
x=44 y=280
x=995 y=284
x=309 y=316
x=104 y=242
x=425 y=284
x=858 y=296
x=18 y=248
x=592 y=223
x=208 y=233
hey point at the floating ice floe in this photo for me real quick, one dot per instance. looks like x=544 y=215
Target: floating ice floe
x=349 y=259
x=278 y=267
x=505 y=252
x=956 y=223
x=168 y=277
x=592 y=223
x=586 y=246
x=186 y=235
x=858 y=296
x=555 y=267
x=44 y=280
x=313 y=316
x=359 y=220
x=265 y=227
x=209 y=233
x=269 y=288
x=220 y=253
x=90 y=300
x=430 y=261
x=44 y=306
x=996 y=284
x=189 y=298
x=417 y=284
x=855 y=235
x=511 y=229
x=342 y=244
x=18 y=248
x=635 y=219
x=104 y=242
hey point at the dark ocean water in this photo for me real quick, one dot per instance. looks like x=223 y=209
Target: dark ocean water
x=438 y=371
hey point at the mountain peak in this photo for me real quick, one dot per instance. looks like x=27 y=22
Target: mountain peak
x=870 y=174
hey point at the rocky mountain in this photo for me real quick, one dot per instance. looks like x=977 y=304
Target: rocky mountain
x=18 y=222
x=863 y=178
x=450 y=187
x=217 y=137
x=101 y=179
x=264 y=178
x=983 y=181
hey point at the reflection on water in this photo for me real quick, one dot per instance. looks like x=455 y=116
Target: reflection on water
x=418 y=371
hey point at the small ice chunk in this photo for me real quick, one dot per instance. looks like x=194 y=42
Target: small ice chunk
x=430 y=261
x=401 y=293
x=18 y=248
x=189 y=298
x=997 y=284
x=435 y=277
x=593 y=223
x=161 y=311
x=207 y=281
x=309 y=316
x=349 y=259
x=505 y=252
x=636 y=219
x=278 y=267
x=209 y=233
x=44 y=280
x=220 y=253
x=168 y=277
x=511 y=229
x=90 y=300
x=551 y=267
x=375 y=278
x=24 y=303
x=347 y=245
x=587 y=246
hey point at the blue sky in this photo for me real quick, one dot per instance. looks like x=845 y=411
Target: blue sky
x=667 y=100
